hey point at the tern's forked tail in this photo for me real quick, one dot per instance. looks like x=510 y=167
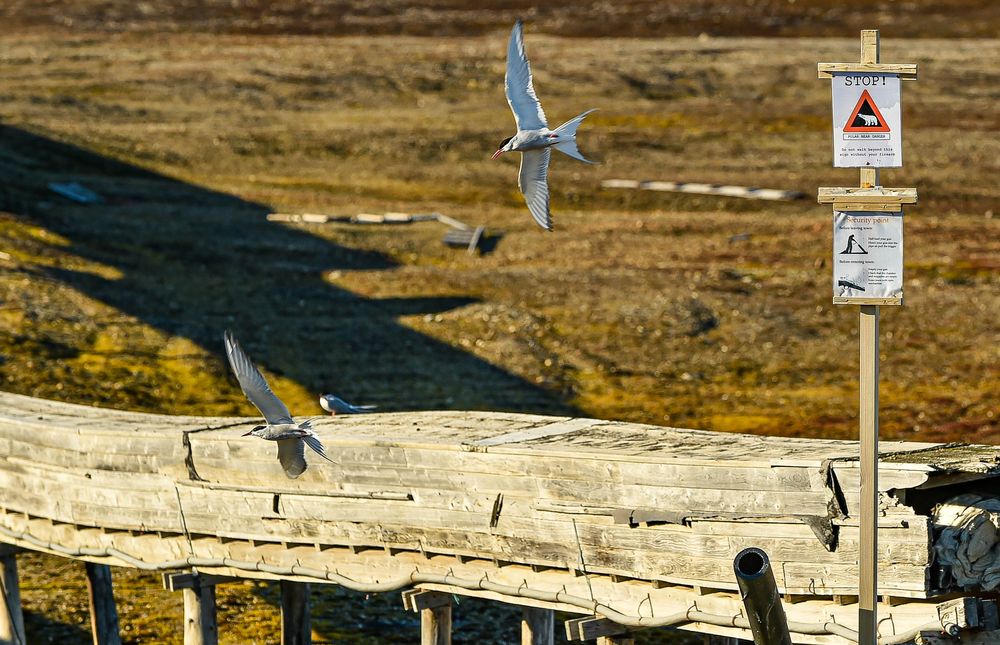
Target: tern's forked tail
x=568 y=129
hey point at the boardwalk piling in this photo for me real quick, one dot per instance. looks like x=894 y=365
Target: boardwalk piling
x=200 y=626
x=103 y=613
x=11 y=618
x=537 y=626
x=435 y=615
x=296 y=626
x=616 y=640
x=435 y=625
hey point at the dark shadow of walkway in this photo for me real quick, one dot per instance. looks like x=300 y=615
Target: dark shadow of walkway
x=194 y=261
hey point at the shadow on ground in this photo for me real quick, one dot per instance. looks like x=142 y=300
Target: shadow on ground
x=45 y=630
x=191 y=262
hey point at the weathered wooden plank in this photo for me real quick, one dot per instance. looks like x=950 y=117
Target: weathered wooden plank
x=606 y=440
x=104 y=461
x=906 y=71
x=468 y=475
x=545 y=431
x=592 y=627
x=78 y=502
x=418 y=599
x=842 y=579
x=224 y=462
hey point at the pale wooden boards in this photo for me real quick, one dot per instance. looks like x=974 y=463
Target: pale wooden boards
x=637 y=501
x=634 y=597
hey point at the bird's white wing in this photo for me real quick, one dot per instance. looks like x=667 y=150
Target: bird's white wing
x=534 y=183
x=253 y=384
x=517 y=83
x=292 y=455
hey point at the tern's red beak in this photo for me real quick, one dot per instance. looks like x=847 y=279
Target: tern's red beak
x=247 y=434
x=497 y=154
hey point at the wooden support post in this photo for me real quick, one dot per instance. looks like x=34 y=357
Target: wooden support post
x=11 y=618
x=296 y=625
x=435 y=615
x=869 y=54
x=868 y=419
x=538 y=626
x=103 y=614
x=200 y=627
x=435 y=625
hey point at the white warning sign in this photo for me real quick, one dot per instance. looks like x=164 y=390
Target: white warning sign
x=867 y=254
x=867 y=124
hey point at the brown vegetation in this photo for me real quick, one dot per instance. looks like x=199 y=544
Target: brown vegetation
x=621 y=18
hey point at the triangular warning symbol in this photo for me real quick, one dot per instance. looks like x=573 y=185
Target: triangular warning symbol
x=865 y=116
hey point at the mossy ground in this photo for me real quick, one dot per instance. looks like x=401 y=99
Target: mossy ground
x=674 y=309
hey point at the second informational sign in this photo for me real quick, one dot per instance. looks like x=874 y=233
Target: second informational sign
x=867 y=124
x=867 y=254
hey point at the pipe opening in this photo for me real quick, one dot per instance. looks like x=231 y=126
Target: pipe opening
x=751 y=563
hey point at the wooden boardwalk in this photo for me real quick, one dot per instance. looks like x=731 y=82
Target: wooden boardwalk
x=635 y=523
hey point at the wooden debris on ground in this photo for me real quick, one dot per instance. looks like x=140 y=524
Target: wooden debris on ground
x=460 y=235
x=744 y=192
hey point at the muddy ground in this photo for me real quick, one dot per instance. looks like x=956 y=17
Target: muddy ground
x=685 y=310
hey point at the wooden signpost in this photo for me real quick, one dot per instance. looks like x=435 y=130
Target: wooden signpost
x=868 y=256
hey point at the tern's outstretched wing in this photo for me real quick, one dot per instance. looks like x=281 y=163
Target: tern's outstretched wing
x=292 y=455
x=534 y=183
x=313 y=442
x=517 y=83
x=253 y=384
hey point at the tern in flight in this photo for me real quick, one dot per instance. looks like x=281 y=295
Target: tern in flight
x=534 y=139
x=336 y=405
x=292 y=438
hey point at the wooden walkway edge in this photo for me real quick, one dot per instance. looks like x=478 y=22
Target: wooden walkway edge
x=638 y=524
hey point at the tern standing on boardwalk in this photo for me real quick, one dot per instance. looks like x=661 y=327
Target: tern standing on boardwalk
x=533 y=139
x=292 y=438
x=336 y=405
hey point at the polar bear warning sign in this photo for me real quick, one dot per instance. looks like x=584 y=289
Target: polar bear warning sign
x=866 y=117
x=867 y=127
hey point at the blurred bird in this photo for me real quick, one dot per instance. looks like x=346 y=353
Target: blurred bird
x=336 y=405
x=533 y=139
x=292 y=438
